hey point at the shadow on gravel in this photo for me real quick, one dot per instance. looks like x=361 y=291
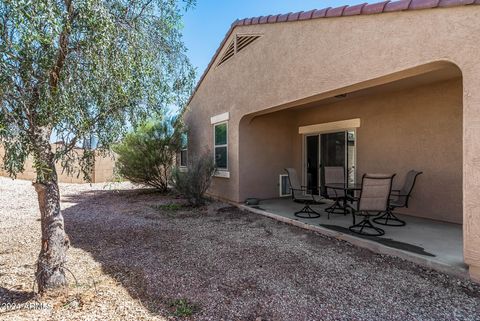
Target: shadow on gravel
x=9 y=296
x=240 y=266
x=382 y=240
x=146 y=242
x=111 y=225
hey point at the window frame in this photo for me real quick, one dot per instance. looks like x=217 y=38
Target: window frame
x=225 y=122
x=181 y=158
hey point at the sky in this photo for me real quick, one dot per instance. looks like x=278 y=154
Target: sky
x=207 y=23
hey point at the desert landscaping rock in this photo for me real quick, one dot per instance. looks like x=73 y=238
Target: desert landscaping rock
x=132 y=253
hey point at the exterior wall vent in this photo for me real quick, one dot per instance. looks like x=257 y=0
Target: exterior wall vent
x=284 y=186
x=228 y=53
x=244 y=41
x=239 y=43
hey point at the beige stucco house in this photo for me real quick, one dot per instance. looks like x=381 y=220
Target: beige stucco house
x=386 y=87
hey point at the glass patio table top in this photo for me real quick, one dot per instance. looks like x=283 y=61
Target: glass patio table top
x=349 y=186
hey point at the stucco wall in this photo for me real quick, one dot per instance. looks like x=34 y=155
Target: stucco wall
x=315 y=59
x=419 y=128
x=267 y=147
x=310 y=60
x=102 y=171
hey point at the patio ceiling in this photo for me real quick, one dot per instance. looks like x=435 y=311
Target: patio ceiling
x=405 y=79
x=443 y=74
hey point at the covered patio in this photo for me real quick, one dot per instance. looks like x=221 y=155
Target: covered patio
x=411 y=120
x=435 y=244
x=408 y=107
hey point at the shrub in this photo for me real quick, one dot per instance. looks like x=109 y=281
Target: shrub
x=146 y=156
x=182 y=308
x=171 y=207
x=194 y=182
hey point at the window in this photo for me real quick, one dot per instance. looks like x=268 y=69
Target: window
x=183 y=158
x=221 y=145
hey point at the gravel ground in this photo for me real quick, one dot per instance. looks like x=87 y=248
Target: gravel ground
x=132 y=254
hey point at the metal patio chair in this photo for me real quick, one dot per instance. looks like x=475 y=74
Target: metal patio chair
x=299 y=195
x=398 y=199
x=335 y=174
x=374 y=199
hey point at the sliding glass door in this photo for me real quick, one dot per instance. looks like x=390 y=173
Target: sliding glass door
x=329 y=149
x=332 y=153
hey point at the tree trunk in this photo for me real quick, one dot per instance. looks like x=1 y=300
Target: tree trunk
x=50 y=272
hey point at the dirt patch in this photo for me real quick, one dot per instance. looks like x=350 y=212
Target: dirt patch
x=138 y=255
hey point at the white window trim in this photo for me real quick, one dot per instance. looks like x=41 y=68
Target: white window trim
x=215 y=120
x=330 y=127
x=221 y=172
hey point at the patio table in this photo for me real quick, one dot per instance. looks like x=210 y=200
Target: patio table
x=349 y=186
x=352 y=187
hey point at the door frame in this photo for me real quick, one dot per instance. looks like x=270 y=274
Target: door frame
x=304 y=151
x=304 y=158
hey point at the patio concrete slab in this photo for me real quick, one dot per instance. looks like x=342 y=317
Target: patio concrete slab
x=434 y=244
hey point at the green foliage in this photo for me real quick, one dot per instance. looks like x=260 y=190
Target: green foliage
x=194 y=182
x=146 y=156
x=171 y=207
x=182 y=308
x=83 y=68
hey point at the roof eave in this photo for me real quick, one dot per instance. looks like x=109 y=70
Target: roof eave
x=342 y=11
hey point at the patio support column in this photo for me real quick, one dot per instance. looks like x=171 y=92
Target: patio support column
x=471 y=169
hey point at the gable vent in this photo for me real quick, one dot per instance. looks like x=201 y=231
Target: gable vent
x=228 y=53
x=243 y=41
x=239 y=43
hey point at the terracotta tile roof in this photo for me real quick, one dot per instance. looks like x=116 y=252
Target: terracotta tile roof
x=343 y=11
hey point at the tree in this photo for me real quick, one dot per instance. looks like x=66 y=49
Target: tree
x=147 y=155
x=73 y=69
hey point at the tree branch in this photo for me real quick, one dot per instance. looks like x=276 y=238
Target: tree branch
x=142 y=10
x=63 y=47
x=70 y=145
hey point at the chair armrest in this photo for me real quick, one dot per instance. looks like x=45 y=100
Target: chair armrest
x=351 y=198
x=396 y=195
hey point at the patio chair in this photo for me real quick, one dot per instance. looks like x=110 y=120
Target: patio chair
x=373 y=200
x=299 y=195
x=399 y=199
x=335 y=174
